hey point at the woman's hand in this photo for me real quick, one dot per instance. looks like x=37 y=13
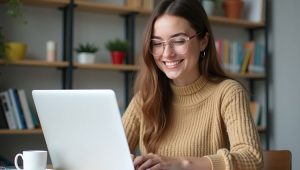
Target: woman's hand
x=157 y=162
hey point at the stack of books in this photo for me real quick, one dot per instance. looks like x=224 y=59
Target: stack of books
x=15 y=112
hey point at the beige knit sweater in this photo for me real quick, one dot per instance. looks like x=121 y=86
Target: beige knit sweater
x=211 y=120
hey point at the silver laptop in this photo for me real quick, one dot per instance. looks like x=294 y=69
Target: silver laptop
x=83 y=129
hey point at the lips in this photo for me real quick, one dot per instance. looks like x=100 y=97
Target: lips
x=172 y=64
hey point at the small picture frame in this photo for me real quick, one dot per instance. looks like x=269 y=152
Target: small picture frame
x=254 y=10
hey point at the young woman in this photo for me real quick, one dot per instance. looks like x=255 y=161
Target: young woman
x=186 y=113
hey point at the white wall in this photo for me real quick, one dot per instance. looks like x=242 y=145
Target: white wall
x=285 y=77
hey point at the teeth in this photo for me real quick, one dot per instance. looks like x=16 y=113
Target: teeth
x=171 y=63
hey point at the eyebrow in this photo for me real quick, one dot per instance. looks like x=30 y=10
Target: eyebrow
x=174 y=35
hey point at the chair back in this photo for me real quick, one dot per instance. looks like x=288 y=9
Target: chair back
x=277 y=160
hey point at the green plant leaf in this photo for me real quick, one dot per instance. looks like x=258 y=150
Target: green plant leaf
x=117 y=45
x=87 y=47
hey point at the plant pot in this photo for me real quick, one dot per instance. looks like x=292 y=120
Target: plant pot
x=15 y=51
x=86 y=58
x=233 y=8
x=117 y=57
x=208 y=6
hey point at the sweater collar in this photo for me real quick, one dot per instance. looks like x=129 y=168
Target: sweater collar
x=193 y=88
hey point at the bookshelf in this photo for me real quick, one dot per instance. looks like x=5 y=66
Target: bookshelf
x=67 y=66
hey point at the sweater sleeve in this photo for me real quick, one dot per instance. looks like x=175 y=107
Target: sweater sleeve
x=131 y=123
x=245 y=151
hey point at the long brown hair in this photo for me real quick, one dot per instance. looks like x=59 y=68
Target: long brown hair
x=153 y=85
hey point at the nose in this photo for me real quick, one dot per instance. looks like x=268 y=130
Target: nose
x=168 y=51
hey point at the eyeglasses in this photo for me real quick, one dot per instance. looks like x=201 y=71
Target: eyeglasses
x=179 y=44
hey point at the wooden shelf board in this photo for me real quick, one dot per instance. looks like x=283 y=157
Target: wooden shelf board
x=46 y=3
x=35 y=63
x=121 y=67
x=20 y=132
x=247 y=75
x=102 y=7
x=235 y=22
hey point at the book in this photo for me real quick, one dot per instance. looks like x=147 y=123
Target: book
x=226 y=54
x=248 y=55
x=3 y=122
x=25 y=108
x=255 y=109
x=8 y=111
x=16 y=109
x=257 y=64
x=20 y=109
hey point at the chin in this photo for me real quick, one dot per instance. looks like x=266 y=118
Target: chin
x=172 y=76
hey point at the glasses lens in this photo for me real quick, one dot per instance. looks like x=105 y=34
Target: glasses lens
x=179 y=44
x=156 y=47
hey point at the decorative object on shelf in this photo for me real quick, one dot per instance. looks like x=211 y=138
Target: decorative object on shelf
x=233 y=8
x=86 y=53
x=254 y=10
x=118 y=49
x=51 y=51
x=15 y=51
x=14 y=10
x=210 y=5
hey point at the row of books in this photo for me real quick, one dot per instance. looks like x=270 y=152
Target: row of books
x=237 y=57
x=15 y=112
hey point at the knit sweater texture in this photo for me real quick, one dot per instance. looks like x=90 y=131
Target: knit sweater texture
x=207 y=119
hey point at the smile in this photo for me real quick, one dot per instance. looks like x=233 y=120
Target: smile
x=172 y=64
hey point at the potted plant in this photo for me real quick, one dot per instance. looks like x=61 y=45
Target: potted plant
x=233 y=8
x=12 y=50
x=210 y=5
x=118 y=49
x=86 y=53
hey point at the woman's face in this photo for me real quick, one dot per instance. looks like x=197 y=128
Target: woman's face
x=174 y=54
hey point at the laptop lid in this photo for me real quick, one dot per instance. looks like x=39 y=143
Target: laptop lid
x=83 y=129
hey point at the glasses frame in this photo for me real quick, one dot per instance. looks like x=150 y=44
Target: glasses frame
x=166 y=42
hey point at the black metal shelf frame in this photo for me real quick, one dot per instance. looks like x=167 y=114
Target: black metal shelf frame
x=266 y=80
x=68 y=30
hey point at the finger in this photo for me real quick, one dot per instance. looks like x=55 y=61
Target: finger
x=138 y=161
x=132 y=156
x=156 y=167
x=148 y=164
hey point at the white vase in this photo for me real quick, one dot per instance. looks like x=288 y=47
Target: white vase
x=208 y=6
x=86 y=58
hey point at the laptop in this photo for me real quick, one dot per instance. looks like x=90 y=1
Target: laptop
x=83 y=129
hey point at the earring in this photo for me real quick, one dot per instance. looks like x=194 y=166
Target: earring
x=203 y=55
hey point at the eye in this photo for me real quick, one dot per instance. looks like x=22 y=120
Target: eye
x=178 y=41
x=156 y=43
